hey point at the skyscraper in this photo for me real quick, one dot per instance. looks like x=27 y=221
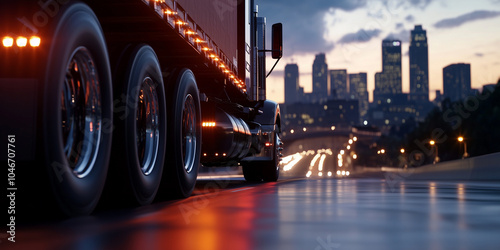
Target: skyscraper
x=338 y=84
x=358 y=90
x=291 y=83
x=457 y=81
x=388 y=82
x=419 y=65
x=320 y=78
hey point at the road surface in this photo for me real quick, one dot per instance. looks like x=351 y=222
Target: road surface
x=298 y=212
x=292 y=214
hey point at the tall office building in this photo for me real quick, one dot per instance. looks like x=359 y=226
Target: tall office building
x=320 y=79
x=457 y=81
x=358 y=90
x=338 y=84
x=388 y=82
x=291 y=84
x=419 y=65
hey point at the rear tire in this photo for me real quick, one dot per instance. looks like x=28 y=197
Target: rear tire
x=77 y=111
x=184 y=137
x=141 y=130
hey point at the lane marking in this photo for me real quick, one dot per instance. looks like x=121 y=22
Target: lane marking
x=241 y=189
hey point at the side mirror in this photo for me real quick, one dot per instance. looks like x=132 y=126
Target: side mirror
x=277 y=50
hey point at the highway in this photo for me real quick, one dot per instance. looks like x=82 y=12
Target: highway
x=369 y=211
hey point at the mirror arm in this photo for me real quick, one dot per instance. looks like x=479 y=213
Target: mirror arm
x=276 y=63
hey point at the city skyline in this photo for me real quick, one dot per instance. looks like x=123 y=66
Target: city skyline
x=350 y=33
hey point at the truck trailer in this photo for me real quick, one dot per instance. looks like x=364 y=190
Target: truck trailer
x=133 y=96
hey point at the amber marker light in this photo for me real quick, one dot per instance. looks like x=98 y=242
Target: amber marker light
x=35 y=41
x=8 y=41
x=21 y=41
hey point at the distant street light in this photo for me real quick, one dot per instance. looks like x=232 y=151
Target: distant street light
x=304 y=129
x=436 y=158
x=461 y=139
x=355 y=138
x=292 y=131
x=405 y=165
x=332 y=128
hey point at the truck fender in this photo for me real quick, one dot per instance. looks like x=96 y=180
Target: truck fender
x=269 y=114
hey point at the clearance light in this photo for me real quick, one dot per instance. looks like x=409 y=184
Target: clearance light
x=268 y=144
x=190 y=32
x=21 y=41
x=35 y=41
x=204 y=154
x=216 y=154
x=222 y=66
x=206 y=49
x=208 y=124
x=180 y=23
x=169 y=12
x=8 y=41
x=197 y=40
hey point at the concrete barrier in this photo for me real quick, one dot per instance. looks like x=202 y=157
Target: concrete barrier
x=481 y=168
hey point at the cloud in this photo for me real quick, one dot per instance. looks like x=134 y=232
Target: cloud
x=360 y=36
x=421 y=4
x=403 y=36
x=303 y=21
x=479 y=54
x=469 y=17
x=410 y=18
x=399 y=25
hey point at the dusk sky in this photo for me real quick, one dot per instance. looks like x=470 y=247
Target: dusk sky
x=350 y=33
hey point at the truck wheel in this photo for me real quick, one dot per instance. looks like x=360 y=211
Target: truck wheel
x=267 y=171
x=270 y=169
x=77 y=111
x=184 y=137
x=141 y=129
x=252 y=171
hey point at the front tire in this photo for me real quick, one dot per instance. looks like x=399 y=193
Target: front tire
x=77 y=111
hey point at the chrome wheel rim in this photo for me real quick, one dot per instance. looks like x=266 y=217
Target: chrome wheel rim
x=189 y=133
x=81 y=113
x=147 y=126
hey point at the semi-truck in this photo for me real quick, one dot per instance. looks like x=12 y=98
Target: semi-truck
x=133 y=96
